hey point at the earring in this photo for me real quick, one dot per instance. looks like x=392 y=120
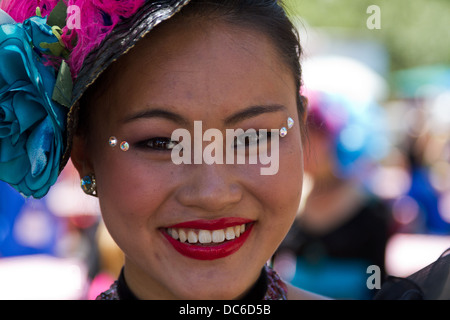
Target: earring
x=89 y=185
x=283 y=130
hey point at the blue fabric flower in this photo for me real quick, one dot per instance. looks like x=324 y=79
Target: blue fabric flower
x=32 y=125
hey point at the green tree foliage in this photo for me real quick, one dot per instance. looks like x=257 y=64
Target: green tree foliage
x=415 y=32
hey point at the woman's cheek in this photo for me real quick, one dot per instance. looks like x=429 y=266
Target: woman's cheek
x=286 y=185
x=129 y=187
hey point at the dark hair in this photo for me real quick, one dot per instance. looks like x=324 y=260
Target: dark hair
x=266 y=16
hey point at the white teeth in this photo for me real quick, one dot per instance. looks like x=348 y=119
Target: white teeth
x=218 y=236
x=206 y=236
x=229 y=233
x=192 y=237
x=182 y=235
x=237 y=231
x=174 y=234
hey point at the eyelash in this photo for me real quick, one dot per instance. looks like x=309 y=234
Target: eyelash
x=165 y=144
x=158 y=144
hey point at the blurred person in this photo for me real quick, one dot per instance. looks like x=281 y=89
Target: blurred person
x=187 y=231
x=423 y=121
x=342 y=228
x=422 y=152
x=422 y=109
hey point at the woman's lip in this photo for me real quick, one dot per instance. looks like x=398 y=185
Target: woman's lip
x=215 y=224
x=210 y=252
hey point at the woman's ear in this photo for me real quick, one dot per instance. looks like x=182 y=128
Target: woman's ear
x=81 y=157
x=304 y=101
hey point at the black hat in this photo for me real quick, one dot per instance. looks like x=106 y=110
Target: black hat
x=122 y=38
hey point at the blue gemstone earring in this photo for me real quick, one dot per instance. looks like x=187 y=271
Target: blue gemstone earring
x=89 y=185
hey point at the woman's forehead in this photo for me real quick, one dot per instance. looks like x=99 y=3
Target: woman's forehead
x=195 y=66
x=187 y=44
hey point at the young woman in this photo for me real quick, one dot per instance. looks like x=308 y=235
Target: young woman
x=193 y=230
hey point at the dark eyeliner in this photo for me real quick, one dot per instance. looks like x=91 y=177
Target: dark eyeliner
x=157 y=144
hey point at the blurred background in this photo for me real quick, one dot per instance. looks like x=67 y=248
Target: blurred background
x=377 y=78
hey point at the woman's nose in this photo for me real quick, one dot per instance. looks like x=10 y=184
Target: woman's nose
x=212 y=188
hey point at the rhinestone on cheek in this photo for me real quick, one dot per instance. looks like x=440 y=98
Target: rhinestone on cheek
x=290 y=122
x=124 y=146
x=283 y=132
x=112 y=141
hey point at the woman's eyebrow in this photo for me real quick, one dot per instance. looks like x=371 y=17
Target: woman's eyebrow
x=251 y=112
x=157 y=113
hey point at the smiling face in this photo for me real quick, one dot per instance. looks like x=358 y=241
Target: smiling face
x=186 y=71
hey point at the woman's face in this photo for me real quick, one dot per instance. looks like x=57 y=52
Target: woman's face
x=228 y=78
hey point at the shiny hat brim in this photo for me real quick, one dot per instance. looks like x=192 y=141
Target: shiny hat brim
x=124 y=37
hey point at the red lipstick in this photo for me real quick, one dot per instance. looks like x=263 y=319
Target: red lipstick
x=210 y=251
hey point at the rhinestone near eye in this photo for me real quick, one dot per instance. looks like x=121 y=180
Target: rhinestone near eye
x=112 y=141
x=124 y=146
x=283 y=132
x=290 y=122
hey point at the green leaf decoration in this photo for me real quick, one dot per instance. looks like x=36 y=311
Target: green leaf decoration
x=62 y=93
x=38 y=12
x=56 y=49
x=58 y=15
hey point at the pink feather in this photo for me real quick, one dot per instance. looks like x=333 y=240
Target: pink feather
x=20 y=10
x=97 y=19
x=93 y=26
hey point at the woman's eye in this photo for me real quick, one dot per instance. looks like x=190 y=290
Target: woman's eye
x=159 y=144
x=249 y=139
